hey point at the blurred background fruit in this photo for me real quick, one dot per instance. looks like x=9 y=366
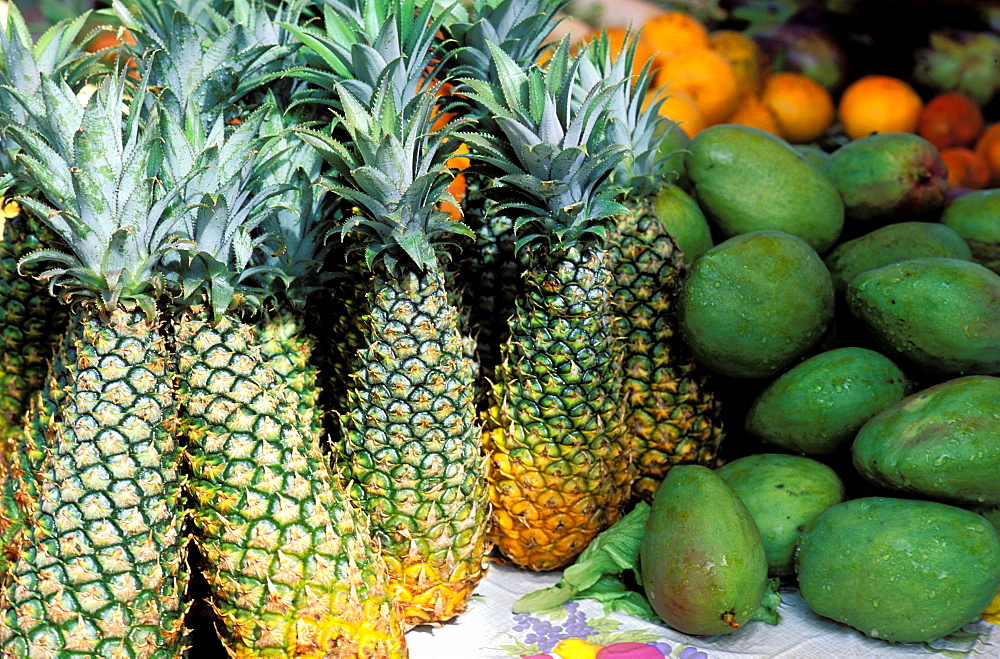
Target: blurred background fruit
x=879 y=104
x=705 y=76
x=802 y=108
x=950 y=119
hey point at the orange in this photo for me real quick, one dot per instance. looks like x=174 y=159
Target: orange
x=680 y=107
x=802 y=106
x=458 y=159
x=457 y=188
x=704 y=75
x=879 y=104
x=988 y=147
x=743 y=54
x=950 y=119
x=674 y=31
x=966 y=168
x=752 y=112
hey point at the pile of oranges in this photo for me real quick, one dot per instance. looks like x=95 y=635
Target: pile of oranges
x=721 y=76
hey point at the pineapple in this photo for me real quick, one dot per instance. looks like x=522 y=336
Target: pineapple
x=288 y=560
x=100 y=566
x=358 y=42
x=558 y=464
x=411 y=441
x=672 y=416
x=488 y=268
x=31 y=321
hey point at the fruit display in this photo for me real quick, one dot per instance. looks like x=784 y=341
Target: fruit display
x=313 y=311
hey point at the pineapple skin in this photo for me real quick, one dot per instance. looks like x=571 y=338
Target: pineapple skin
x=289 y=560
x=102 y=570
x=31 y=322
x=558 y=461
x=413 y=447
x=19 y=481
x=289 y=352
x=672 y=416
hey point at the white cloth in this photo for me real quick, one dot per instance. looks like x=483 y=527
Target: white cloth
x=487 y=631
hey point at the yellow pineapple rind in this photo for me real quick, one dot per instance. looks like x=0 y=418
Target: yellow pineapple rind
x=559 y=468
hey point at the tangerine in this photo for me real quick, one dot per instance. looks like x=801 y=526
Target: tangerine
x=752 y=112
x=988 y=147
x=704 y=75
x=674 y=31
x=458 y=187
x=950 y=119
x=744 y=55
x=966 y=168
x=879 y=104
x=802 y=106
x=679 y=107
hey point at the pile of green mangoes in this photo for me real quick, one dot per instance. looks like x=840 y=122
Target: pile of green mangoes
x=852 y=301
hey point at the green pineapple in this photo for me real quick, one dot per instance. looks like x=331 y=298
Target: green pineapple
x=289 y=561
x=558 y=460
x=359 y=40
x=100 y=569
x=411 y=441
x=488 y=268
x=672 y=415
x=31 y=321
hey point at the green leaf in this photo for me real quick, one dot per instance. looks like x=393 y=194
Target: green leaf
x=611 y=552
x=768 y=610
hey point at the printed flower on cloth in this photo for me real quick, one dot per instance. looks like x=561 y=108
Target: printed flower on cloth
x=567 y=633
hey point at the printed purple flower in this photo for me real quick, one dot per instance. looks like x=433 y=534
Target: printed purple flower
x=692 y=653
x=664 y=648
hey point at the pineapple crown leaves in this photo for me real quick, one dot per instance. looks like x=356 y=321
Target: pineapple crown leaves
x=213 y=17
x=633 y=116
x=299 y=221
x=518 y=27
x=58 y=52
x=361 y=45
x=223 y=205
x=393 y=168
x=550 y=154
x=196 y=73
x=97 y=166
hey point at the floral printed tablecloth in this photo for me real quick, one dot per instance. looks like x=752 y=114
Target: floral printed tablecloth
x=581 y=628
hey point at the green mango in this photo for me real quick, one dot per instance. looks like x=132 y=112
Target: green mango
x=941 y=443
x=746 y=180
x=818 y=405
x=755 y=304
x=991 y=513
x=670 y=152
x=702 y=559
x=783 y=493
x=894 y=242
x=888 y=177
x=684 y=221
x=812 y=153
x=938 y=315
x=976 y=217
x=901 y=570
